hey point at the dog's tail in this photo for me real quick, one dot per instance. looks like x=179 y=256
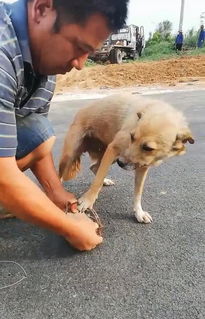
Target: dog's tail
x=69 y=168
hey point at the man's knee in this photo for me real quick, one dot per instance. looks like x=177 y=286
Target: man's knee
x=44 y=149
x=35 y=137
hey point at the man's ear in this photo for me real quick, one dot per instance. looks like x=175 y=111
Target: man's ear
x=40 y=8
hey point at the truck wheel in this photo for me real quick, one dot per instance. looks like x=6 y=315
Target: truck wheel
x=136 y=55
x=116 y=56
x=140 y=51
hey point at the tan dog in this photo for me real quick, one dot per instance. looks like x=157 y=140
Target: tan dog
x=134 y=131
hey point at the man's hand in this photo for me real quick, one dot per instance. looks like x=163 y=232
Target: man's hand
x=84 y=232
x=64 y=199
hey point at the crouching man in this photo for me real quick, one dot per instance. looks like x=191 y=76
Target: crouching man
x=39 y=39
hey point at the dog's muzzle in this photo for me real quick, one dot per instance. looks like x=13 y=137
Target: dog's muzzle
x=126 y=166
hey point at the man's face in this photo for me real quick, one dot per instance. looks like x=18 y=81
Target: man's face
x=57 y=53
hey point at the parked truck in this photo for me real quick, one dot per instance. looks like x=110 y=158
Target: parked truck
x=127 y=43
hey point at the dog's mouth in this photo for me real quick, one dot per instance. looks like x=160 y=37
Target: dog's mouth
x=130 y=166
x=126 y=166
x=142 y=165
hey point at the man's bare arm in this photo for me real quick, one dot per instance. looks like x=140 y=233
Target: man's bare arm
x=25 y=200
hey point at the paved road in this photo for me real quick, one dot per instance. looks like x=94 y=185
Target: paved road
x=151 y=271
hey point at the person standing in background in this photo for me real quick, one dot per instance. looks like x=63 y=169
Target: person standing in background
x=201 y=37
x=179 y=41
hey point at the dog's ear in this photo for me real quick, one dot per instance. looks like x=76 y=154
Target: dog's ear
x=182 y=137
x=178 y=146
x=185 y=136
x=139 y=114
x=132 y=136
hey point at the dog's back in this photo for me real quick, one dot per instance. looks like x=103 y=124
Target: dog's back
x=118 y=111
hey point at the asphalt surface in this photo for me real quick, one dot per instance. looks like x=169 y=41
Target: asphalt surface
x=154 y=271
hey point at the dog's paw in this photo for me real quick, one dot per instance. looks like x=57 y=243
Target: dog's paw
x=85 y=202
x=108 y=182
x=143 y=217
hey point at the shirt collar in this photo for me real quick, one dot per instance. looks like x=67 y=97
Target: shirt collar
x=20 y=22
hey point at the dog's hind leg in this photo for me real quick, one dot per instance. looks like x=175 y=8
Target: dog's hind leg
x=94 y=168
x=108 y=182
x=73 y=148
x=140 y=176
x=88 y=199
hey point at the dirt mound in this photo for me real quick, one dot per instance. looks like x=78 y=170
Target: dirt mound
x=131 y=74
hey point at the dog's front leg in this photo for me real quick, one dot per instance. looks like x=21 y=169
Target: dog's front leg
x=140 y=176
x=89 y=198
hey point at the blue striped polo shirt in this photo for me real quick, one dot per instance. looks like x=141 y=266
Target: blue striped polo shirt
x=21 y=91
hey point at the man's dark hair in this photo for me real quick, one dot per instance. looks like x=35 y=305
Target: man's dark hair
x=78 y=11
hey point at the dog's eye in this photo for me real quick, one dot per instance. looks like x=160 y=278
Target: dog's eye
x=132 y=137
x=147 y=148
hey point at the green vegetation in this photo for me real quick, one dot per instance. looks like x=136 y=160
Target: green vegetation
x=89 y=62
x=161 y=44
x=165 y=50
x=158 y=51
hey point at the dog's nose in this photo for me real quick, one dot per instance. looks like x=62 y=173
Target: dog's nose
x=121 y=164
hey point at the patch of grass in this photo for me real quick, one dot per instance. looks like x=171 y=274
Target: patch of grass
x=195 y=52
x=159 y=56
x=89 y=63
x=163 y=47
x=159 y=51
x=165 y=50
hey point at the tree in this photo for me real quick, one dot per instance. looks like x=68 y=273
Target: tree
x=150 y=36
x=165 y=29
x=162 y=34
x=191 y=37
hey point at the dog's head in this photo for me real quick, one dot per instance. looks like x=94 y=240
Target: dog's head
x=156 y=138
